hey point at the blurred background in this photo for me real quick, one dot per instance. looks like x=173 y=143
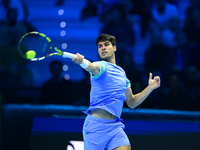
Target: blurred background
x=158 y=36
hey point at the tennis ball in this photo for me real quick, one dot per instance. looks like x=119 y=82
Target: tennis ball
x=30 y=54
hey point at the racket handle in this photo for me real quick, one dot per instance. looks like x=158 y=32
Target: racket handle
x=68 y=55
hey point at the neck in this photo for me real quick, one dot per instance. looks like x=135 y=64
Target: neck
x=110 y=60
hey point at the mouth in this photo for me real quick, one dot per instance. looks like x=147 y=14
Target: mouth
x=103 y=53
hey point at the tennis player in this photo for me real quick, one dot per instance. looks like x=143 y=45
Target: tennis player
x=109 y=89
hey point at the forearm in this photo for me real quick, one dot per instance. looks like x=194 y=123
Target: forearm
x=86 y=64
x=137 y=99
x=90 y=67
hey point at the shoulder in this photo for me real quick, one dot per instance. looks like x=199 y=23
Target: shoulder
x=102 y=64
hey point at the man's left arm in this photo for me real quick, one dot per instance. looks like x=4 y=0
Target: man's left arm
x=134 y=100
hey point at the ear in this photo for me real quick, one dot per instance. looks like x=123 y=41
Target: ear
x=115 y=48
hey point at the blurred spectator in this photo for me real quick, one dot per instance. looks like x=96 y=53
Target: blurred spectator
x=162 y=11
x=157 y=58
x=117 y=24
x=108 y=4
x=155 y=32
x=59 y=2
x=90 y=10
x=57 y=90
x=132 y=73
x=128 y=7
x=6 y=5
x=11 y=30
x=26 y=21
x=175 y=97
x=196 y=105
x=169 y=32
x=17 y=75
x=194 y=59
x=181 y=53
x=192 y=30
x=192 y=25
x=142 y=9
x=82 y=91
x=195 y=3
x=182 y=6
x=191 y=79
x=2 y=75
x=97 y=8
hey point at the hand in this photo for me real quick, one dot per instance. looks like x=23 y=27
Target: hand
x=155 y=82
x=78 y=59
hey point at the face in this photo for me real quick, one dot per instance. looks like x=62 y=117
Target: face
x=106 y=50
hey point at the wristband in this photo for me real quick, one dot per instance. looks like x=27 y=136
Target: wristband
x=85 y=64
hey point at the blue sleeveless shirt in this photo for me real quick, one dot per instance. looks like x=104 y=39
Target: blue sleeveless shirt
x=108 y=89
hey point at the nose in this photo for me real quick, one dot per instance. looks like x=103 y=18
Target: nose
x=103 y=47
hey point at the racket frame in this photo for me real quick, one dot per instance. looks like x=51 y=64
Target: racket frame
x=59 y=52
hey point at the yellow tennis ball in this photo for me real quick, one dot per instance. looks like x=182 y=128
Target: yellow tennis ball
x=30 y=54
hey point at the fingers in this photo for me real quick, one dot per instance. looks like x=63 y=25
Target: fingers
x=157 y=79
x=150 y=75
x=78 y=59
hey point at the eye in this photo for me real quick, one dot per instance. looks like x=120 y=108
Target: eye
x=107 y=44
x=99 y=46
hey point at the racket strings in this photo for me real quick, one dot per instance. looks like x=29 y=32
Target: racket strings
x=35 y=42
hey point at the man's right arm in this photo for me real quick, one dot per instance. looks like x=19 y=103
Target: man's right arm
x=93 y=68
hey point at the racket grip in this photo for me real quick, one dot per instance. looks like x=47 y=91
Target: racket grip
x=68 y=55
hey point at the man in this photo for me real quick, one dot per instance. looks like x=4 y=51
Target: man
x=109 y=89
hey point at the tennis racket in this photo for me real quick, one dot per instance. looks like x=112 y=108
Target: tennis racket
x=41 y=44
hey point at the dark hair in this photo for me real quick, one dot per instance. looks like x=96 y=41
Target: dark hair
x=106 y=37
